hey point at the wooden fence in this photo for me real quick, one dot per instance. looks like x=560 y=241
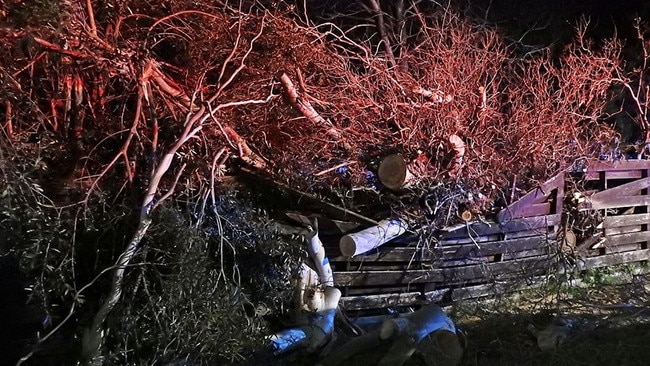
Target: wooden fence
x=593 y=217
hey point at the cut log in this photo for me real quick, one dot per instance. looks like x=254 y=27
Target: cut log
x=372 y=237
x=394 y=173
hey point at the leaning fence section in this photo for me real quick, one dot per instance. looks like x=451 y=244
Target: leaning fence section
x=597 y=216
x=611 y=221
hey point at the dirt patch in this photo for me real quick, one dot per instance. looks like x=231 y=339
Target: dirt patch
x=600 y=324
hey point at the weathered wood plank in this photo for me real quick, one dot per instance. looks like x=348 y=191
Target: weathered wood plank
x=380 y=301
x=443 y=275
x=623 y=248
x=623 y=230
x=539 y=195
x=470 y=240
x=624 y=190
x=497 y=288
x=463 y=262
x=551 y=234
x=614 y=174
x=539 y=252
x=374 y=290
x=496 y=270
x=626 y=220
x=631 y=201
x=535 y=209
x=374 y=278
x=627 y=238
x=394 y=254
x=538 y=224
x=385 y=266
x=601 y=165
x=448 y=252
x=612 y=259
x=492 y=248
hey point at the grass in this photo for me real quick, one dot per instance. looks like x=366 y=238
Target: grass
x=609 y=317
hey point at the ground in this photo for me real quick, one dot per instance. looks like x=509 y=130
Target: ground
x=607 y=323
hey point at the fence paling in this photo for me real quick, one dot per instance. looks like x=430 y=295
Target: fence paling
x=478 y=259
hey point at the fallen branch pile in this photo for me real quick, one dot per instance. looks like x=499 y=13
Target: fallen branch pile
x=295 y=100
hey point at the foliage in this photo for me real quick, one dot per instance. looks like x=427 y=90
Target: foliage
x=201 y=295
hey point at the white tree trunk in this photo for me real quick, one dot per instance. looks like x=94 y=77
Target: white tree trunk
x=372 y=237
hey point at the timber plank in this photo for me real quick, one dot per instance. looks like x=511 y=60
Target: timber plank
x=443 y=275
x=622 y=230
x=497 y=247
x=551 y=233
x=491 y=271
x=387 y=266
x=465 y=239
x=448 y=252
x=627 y=238
x=632 y=201
x=374 y=290
x=540 y=252
x=623 y=248
x=519 y=208
x=626 y=220
x=536 y=224
x=602 y=165
x=496 y=288
x=469 y=261
x=378 y=301
x=362 y=302
x=627 y=189
x=614 y=174
x=374 y=278
x=612 y=259
x=533 y=209
x=394 y=254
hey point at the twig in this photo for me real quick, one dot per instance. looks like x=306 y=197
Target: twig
x=91 y=17
x=30 y=64
x=241 y=66
x=375 y=8
x=53 y=47
x=512 y=189
x=122 y=153
x=305 y=107
x=245 y=152
x=168 y=85
x=334 y=168
x=8 y=127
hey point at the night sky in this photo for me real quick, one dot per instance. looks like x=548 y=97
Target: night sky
x=557 y=17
